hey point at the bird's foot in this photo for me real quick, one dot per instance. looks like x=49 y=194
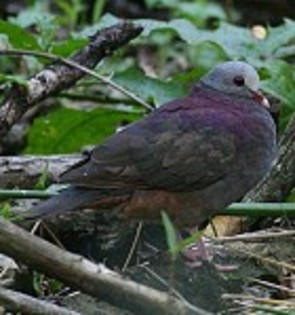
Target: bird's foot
x=195 y=254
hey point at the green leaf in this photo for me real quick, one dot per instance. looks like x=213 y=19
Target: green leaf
x=291 y=196
x=205 y=56
x=38 y=16
x=68 y=130
x=171 y=236
x=5 y=211
x=241 y=44
x=161 y=3
x=281 y=82
x=70 y=11
x=278 y=38
x=45 y=23
x=29 y=17
x=237 y=45
x=97 y=10
x=199 y=12
x=189 y=240
x=18 y=79
x=43 y=179
x=149 y=89
x=68 y=47
x=18 y=38
x=106 y=21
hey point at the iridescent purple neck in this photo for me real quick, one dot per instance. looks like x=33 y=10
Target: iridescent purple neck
x=202 y=90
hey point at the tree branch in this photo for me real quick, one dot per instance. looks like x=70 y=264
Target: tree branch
x=84 y=275
x=60 y=76
x=19 y=302
x=24 y=171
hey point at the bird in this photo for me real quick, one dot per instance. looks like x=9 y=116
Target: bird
x=190 y=157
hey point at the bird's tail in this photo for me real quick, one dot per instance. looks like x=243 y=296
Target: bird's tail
x=76 y=198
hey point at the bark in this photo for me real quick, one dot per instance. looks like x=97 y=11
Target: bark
x=24 y=171
x=19 y=302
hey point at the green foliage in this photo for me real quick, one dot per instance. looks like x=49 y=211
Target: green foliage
x=280 y=83
x=195 y=237
x=9 y=79
x=174 y=245
x=205 y=56
x=240 y=44
x=39 y=17
x=152 y=90
x=68 y=130
x=106 y=20
x=44 y=286
x=291 y=197
x=198 y=12
x=5 y=211
x=171 y=236
x=33 y=15
x=71 y=9
x=98 y=10
x=42 y=180
x=68 y=47
x=18 y=37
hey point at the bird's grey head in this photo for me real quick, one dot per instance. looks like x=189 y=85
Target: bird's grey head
x=236 y=78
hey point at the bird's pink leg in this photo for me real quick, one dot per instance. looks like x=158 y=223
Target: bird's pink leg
x=198 y=252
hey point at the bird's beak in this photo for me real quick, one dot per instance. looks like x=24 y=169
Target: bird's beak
x=260 y=98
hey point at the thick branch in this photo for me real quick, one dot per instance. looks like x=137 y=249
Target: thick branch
x=24 y=171
x=19 y=302
x=82 y=274
x=59 y=76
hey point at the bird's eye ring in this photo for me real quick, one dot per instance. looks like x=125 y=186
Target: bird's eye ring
x=239 y=81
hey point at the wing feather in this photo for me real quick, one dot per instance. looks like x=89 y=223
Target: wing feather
x=159 y=152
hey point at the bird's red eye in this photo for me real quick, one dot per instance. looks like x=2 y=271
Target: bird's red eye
x=239 y=81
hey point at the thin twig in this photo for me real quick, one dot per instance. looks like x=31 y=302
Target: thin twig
x=254 y=237
x=268 y=260
x=228 y=296
x=272 y=285
x=35 y=227
x=244 y=305
x=73 y=64
x=162 y=281
x=53 y=236
x=91 y=97
x=133 y=246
